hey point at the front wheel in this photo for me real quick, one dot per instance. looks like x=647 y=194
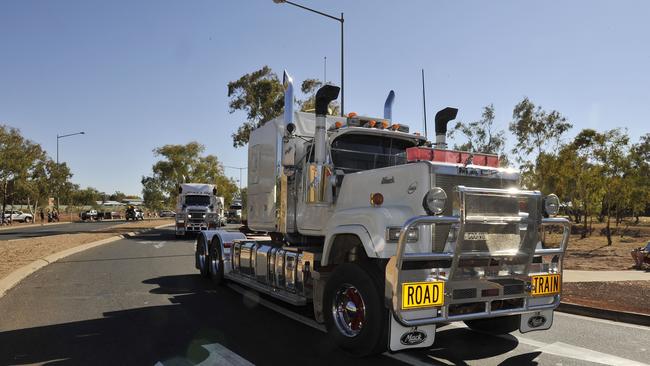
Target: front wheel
x=355 y=316
x=28 y=220
x=499 y=325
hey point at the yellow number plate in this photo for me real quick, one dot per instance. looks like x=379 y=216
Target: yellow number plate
x=545 y=284
x=423 y=294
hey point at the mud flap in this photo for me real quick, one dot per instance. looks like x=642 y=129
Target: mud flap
x=539 y=320
x=402 y=337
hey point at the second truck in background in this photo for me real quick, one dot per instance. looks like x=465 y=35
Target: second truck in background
x=198 y=208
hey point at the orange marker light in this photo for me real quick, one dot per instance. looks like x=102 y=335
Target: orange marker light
x=395 y=127
x=384 y=124
x=352 y=114
x=372 y=123
x=376 y=199
x=338 y=124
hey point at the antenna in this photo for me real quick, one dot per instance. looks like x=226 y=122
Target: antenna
x=424 y=105
x=325 y=71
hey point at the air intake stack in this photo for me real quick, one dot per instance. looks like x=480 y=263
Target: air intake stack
x=316 y=173
x=287 y=82
x=442 y=118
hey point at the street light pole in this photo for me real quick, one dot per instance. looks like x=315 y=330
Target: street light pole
x=340 y=20
x=58 y=137
x=240 y=174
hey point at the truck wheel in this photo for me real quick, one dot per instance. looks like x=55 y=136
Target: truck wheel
x=499 y=325
x=28 y=220
x=201 y=257
x=355 y=316
x=215 y=261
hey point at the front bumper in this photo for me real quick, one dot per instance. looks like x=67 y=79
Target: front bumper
x=474 y=292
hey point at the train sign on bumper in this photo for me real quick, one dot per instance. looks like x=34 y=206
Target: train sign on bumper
x=545 y=284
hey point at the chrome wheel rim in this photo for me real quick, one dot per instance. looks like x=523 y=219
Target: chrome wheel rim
x=214 y=262
x=202 y=261
x=349 y=310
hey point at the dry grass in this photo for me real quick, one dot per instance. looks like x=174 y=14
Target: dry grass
x=621 y=295
x=593 y=253
x=17 y=253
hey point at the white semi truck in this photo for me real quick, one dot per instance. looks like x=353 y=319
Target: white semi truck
x=387 y=235
x=198 y=208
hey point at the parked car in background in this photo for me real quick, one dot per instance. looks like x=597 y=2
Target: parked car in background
x=167 y=213
x=88 y=215
x=19 y=216
x=133 y=213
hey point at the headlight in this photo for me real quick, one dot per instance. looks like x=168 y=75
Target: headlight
x=551 y=205
x=392 y=234
x=435 y=201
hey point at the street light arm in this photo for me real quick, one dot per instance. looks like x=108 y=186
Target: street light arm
x=314 y=11
x=70 y=134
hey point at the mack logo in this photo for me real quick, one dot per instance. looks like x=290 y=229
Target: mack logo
x=536 y=321
x=412 y=187
x=413 y=338
x=476 y=172
x=475 y=236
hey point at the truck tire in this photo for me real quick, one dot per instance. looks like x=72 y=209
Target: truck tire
x=201 y=257
x=215 y=261
x=28 y=220
x=498 y=325
x=355 y=315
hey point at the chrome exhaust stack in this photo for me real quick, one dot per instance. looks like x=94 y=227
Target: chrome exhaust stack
x=287 y=82
x=442 y=118
x=316 y=174
x=388 y=106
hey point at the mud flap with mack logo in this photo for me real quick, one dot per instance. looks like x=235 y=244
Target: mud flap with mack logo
x=539 y=320
x=402 y=337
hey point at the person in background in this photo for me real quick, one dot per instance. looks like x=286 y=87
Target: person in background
x=42 y=214
x=641 y=256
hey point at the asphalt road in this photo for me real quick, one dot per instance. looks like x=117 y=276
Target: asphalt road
x=140 y=301
x=47 y=230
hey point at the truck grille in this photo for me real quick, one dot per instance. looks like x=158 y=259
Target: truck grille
x=448 y=183
x=196 y=215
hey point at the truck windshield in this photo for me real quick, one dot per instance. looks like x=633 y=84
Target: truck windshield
x=356 y=152
x=195 y=200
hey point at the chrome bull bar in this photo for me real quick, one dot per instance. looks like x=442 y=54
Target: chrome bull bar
x=394 y=272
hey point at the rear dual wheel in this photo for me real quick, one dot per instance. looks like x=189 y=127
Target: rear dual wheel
x=201 y=257
x=215 y=261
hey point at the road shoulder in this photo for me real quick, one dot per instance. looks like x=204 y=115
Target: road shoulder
x=17 y=275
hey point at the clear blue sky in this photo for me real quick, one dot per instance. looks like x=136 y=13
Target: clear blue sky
x=139 y=74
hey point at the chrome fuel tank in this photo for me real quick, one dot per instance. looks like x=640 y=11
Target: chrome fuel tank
x=285 y=268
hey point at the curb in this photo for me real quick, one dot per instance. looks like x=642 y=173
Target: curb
x=13 y=278
x=20 y=226
x=618 y=316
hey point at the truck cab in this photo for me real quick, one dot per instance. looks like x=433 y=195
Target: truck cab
x=387 y=234
x=198 y=208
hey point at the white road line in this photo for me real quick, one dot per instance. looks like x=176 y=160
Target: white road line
x=557 y=348
x=220 y=355
x=312 y=323
x=603 y=321
x=217 y=355
x=567 y=350
x=279 y=309
x=584 y=354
